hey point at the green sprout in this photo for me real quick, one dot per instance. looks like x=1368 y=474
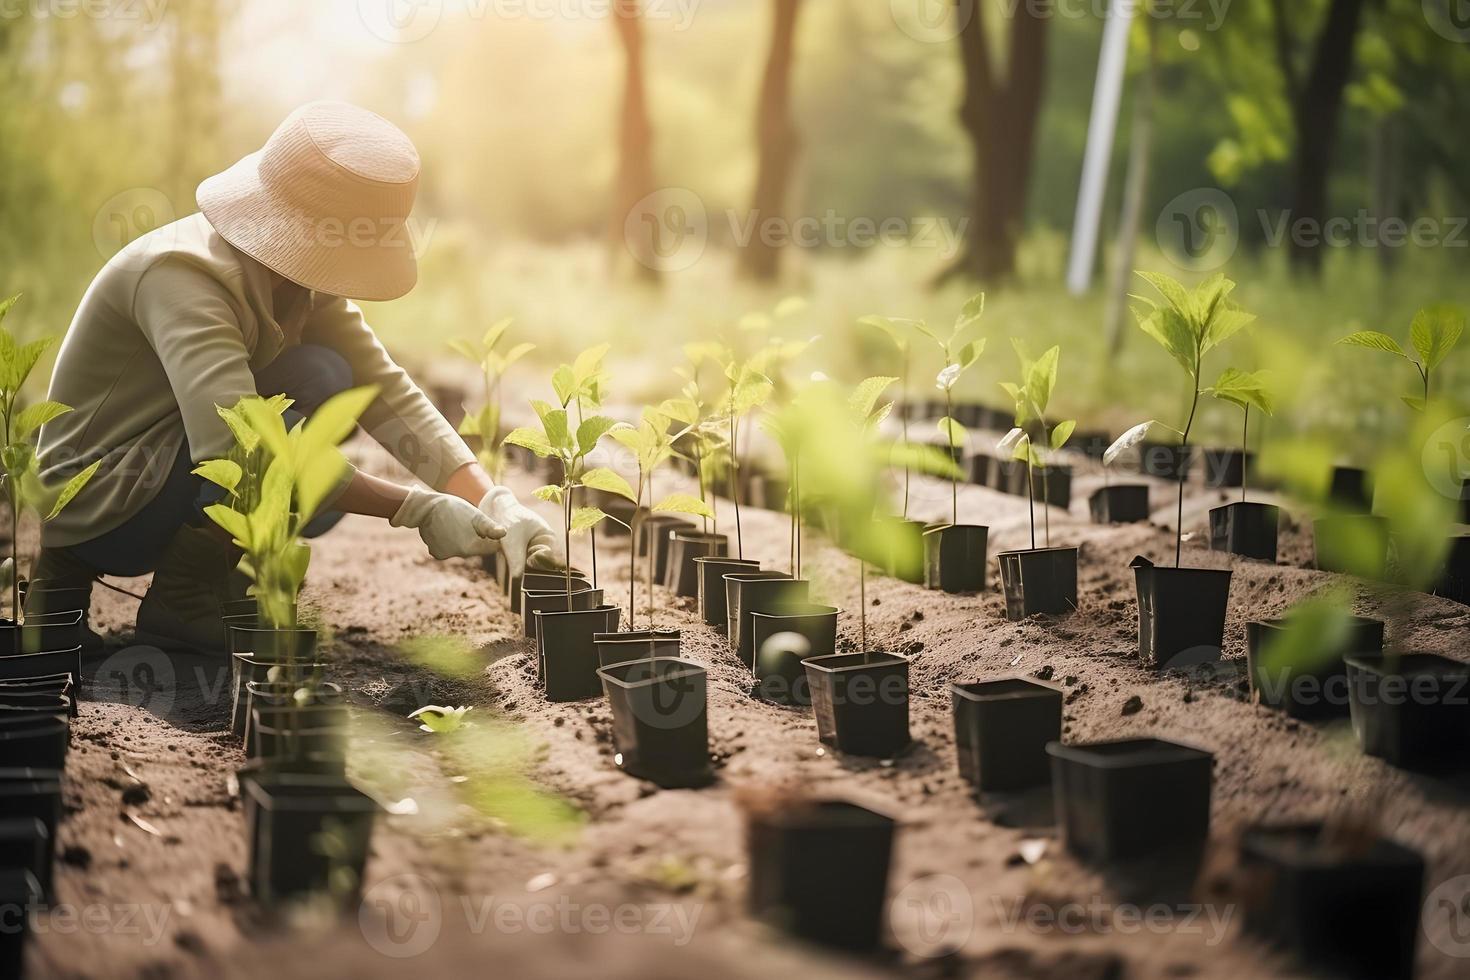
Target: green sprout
x=580 y=384
x=1245 y=391
x=749 y=389
x=896 y=332
x=652 y=444
x=438 y=720
x=1032 y=396
x=1434 y=333
x=557 y=440
x=705 y=433
x=1188 y=325
x=283 y=482
x=493 y=365
x=958 y=358
x=23 y=488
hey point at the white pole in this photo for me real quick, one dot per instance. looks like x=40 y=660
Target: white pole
x=1106 y=95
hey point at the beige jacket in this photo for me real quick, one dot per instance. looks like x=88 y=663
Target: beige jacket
x=173 y=326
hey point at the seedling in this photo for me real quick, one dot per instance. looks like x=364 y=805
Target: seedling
x=580 y=384
x=749 y=389
x=896 y=332
x=438 y=720
x=557 y=440
x=493 y=363
x=1244 y=391
x=706 y=434
x=1188 y=324
x=958 y=358
x=1434 y=333
x=23 y=488
x=1031 y=396
x=277 y=481
x=652 y=444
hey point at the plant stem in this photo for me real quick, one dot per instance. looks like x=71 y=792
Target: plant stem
x=1245 y=433
x=1046 y=503
x=592 y=531
x=1184 y=472
x=954 y=481
x=636 y=525
x=12 y=487
x=904 y=421
x=1031 y=498
x=566 y=527
x=735 y=476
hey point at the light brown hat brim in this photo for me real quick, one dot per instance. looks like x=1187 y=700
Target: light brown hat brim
x=357 y=256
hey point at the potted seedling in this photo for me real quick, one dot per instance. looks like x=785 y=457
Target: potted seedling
x=818 y=867
x=1181 y=611
x=579 y=386
x=1244 y=528
x=955 y=553
x=54 y=630
x=483 y=427
x=565 y=623
x=1338 y=896
x=1297 y=664
x=1037 y=580
x=748 y=389
x=675 y=420
x=896 y=330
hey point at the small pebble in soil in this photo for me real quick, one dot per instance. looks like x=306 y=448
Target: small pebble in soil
x=77 y=856
x=1189 y=697
x=189 y=942
x=1070 y=680
x=1133 y=705
x=558 y=722
x=1045 y=673
x=1075 y=693
x=136 y=793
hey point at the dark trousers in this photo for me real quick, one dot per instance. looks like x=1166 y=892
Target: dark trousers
x=309 y=375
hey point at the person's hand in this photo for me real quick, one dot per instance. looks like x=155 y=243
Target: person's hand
x=529 y=540
x=451 y=527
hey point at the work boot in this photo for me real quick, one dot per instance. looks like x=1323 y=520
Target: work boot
x=59 y=576
x=194 y=579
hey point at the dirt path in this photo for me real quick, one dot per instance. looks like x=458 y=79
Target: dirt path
x=678 y=855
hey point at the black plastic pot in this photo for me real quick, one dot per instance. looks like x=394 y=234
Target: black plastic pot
x=982 y=469
x=1131 y=798
x=56 y=685
x=955 y=557
x=566 y=650
x=819 y=871
x=811 y=631
x=746 y=593
x=1351 y=489
x=533 y=602
x=1454 y=583
x=1001 y=730
x=25 y=848
x=1340 y=910
x=36 y=743
x=684 y=547
x=19 y=890
x=1308 y=691
x=660 y=720
x=1245 y=529
x=276 y=714
x=904 y=558
x=1411 y=710
x=766 y=491
x=541 y=582
x=287 y=815
x=66 y=662
x=1093 y=445
x=1181 y=613
x=710 y=577
x=1010 y=477
x=1225 y=468
x=1039 y=581
x=656 y=531
x=1122 y=503
x=861 y=702
x=254 y=651
x=1165 y=461
x=1055 y=489
x=1352 y=544
x=34 y=794
x=42 y=633
x=620 y=648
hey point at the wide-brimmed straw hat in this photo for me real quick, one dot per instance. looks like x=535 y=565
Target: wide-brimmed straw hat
x=325 y=202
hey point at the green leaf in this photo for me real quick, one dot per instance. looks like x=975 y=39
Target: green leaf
x=469 y=425
x=603 y=478
x=1061 y=432
x=924 y=328
x=954 y=433
x=268 y=425
x=1041 y=379
x=497 y=330
x=589 y=363
x=221 y=472
x=683 y=503
x=17 y=368
x=439 y=720
x=866 y=395
x=1173 y=291
x=1415 y=403
x=970 y=353
x=1173 y=333
x=1373 y=340
x=318 y=475
x=892 y=328
x=6 y=305
x=32 y=417
x=591 y=430
x=466 y=350
x=1435 y=332
x=515 y=354
x=330 y=425
x=970 y=313
x=587 y=517
x=556 y=425
x=528 y=438
x=564 y=383
x=245 y=436
x=551 y=492
x=72 y=488
x=1242 y=390
x=235 y=524
x=1224 y=324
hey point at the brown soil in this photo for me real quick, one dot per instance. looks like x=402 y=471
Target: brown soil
x=176 y=871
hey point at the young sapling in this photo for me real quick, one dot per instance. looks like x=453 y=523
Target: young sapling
x=1031 y=397
x=895 y=329
x=1245 y=391
x=958 y=358
x=493 y=363
x=1434 y=333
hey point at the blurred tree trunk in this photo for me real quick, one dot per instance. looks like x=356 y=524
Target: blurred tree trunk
x=1386 y=169
x=1316 y=108
x=999 y=113
x=776 y=136
x=635 y=143
x=1135 y=189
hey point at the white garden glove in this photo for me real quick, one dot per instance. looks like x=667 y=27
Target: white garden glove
x=450 y=526
x=529 y=540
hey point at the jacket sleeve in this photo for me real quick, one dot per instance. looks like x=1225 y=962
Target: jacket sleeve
x=401 y=418
x=190 y=320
